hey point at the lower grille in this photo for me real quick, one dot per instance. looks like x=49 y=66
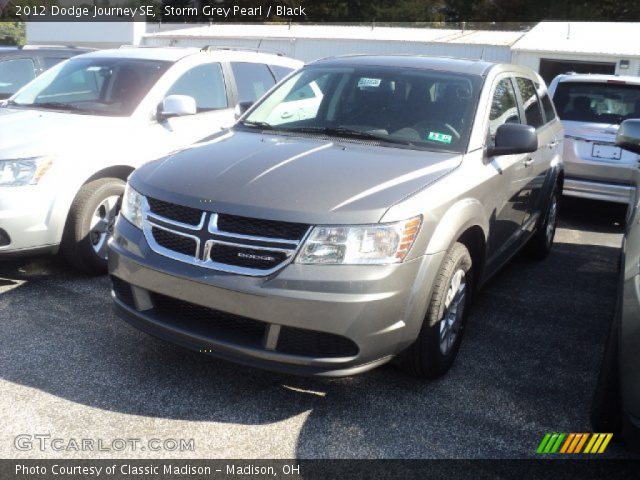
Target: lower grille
x=246 y=257
x=123 y=291
x=209 y=322
x=308 y=343
x=223 y=326
x=175 y=242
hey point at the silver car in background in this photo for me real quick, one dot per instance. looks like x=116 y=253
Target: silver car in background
x=617 y=401
x=591 y=108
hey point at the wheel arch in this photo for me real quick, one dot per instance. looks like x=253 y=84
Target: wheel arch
x=465 y=222
x=117 y=171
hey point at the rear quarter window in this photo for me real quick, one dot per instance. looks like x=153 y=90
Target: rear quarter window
x=547 y=106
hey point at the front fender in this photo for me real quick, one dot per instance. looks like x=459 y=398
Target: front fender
x=461 y=216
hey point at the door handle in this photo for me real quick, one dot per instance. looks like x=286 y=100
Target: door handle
x=528 y=161
x=552 y=144
x=286 y=115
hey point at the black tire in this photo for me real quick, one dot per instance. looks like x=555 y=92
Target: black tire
x=425 y=358
x=77 y=241
x=540 y=244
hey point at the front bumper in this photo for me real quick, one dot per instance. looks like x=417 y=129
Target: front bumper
x=374 y=312
x=26 y=219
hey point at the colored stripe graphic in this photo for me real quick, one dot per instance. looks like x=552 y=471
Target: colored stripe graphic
x=573 y=443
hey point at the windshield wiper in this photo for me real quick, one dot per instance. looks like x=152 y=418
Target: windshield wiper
x=349 y=133
x=56 y=106
x=254 y=124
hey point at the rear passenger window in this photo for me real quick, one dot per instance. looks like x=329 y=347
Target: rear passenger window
x=205 y=83
x=280 y=72
x=549 y=112
x=51 y=61
x=252 y=80
x=14 y=74
x=504 y=108
x=531 y=105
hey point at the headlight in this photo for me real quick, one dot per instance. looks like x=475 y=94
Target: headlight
x=360 y=245
x=132 y=206
x=23 y=171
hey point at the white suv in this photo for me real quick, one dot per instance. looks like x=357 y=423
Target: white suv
x=70 y=138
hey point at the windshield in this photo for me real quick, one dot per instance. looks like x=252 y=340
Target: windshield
x=96 y=86
x=398 y=106
x=610 y=102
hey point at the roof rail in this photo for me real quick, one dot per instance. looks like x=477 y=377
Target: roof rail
x=210 y=48
x=36 y=47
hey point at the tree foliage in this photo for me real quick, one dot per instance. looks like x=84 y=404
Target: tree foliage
x=12 y=33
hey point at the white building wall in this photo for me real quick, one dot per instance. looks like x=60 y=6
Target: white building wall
x=85 y=34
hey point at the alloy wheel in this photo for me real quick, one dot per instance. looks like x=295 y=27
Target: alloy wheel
x=102 y=223
x=451 y=322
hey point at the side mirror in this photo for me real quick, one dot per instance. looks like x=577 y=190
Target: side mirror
x=241 y=108
x=177 y=106
x=628 y=136
x=512 y=138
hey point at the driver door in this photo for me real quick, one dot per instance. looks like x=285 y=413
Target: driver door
x=206 y=84
x=510 y=202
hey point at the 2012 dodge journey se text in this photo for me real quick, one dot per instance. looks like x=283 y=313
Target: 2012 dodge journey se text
x=346 y=219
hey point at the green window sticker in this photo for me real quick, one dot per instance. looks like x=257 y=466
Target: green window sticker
x=439 y=137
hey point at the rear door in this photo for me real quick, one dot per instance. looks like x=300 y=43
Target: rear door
x=251 y=80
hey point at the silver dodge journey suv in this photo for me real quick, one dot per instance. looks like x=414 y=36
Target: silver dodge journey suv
x=346 y=219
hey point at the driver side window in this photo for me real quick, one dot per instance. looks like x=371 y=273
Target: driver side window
x=205 y=83
x=504 y=108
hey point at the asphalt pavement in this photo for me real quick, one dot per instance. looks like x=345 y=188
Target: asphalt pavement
x=70 y=369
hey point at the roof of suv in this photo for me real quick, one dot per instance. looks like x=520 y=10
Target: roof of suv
x=174 y=54
x=456 y=65
x=37 y=49
x=597 y=78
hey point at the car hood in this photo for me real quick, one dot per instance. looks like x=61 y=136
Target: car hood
x=308 y=180
x=27 y=132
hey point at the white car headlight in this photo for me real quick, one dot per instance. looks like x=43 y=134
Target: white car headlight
x=132 y=206
x=19 y=172
x=360 y=245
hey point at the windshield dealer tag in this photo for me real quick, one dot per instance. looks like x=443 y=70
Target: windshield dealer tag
x=439 y=137
x=369 y=82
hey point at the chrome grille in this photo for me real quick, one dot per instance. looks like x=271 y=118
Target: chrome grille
x=229 y=243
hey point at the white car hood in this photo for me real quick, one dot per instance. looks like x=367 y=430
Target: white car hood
x=26 y=132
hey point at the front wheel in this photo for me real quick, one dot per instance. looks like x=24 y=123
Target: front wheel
x=434 y=351
x=90 y=224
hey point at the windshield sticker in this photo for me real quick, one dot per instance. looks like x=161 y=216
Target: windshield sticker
x=439 y=137
x=369 y=82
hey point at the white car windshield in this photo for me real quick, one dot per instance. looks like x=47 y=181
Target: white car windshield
x=412 y=107
x=95 y=86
